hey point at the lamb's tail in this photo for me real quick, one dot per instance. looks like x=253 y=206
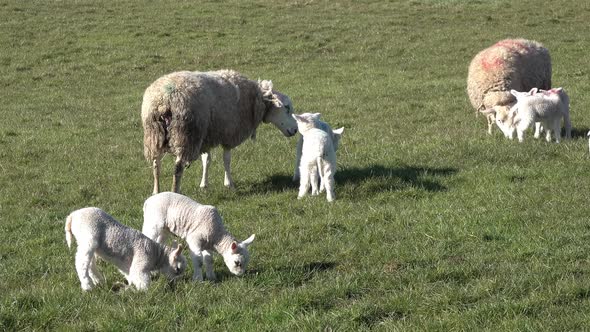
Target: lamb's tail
x=69 y=231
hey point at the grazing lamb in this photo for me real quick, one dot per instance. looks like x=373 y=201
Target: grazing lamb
x=200 y=226
x=135 y=255
x=189 y=113
x=548 y=107
x=517 y=64
x=317 y=123
x=318 y=157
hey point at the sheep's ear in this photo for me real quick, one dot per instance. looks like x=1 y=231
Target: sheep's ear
x=234 y=247
x=248 y=241
x=558 y=90
x=515 y=93
x=316 y=116
x=338 y=131
x=533 y=91
x=299 y=118
x=488 y=111
x=266 y=88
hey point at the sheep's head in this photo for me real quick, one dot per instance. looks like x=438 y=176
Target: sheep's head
x=236 y=259
x=278 y=109
x=306 y=121
x=336 y=135
x=176 y=263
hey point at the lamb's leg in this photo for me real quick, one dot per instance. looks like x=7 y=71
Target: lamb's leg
x=568 y=125
x=206 y=159
x=298 y=149
x=83 y=261
x=156 y=165
x=178 y=170
x=329 y=169
x=228 y=182
x=557 y=130
x=95 y=274
x=303 y=181
x=313 y=178
x=491 y=121
x=538 y=130
x=197 y=258
x=139 y=277
x=208 y=262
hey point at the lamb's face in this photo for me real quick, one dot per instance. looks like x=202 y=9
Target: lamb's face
x=176 y=264
x=238 y=257
x=504 y=118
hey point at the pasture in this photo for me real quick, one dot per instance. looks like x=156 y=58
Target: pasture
x=436 y=225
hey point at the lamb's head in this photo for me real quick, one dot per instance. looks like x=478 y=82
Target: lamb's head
x=306 y=121
x=236 y=259
x=336 y=135
x=176 y=262
x=278 y=109
x=504 y=118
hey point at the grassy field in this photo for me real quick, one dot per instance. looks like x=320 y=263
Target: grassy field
x=437 y=226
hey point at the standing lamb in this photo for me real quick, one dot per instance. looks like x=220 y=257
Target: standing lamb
x=189 y=113
x=135 y=255
x=318 y=156
x=517 y=64
x=200 y=226
x=317 y=123
x=547 y=107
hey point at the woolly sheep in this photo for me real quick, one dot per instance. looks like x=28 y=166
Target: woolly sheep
x=200 y=226
x=517 y=64
x=546 y=106
x=189 y=113
x=135 y=255
x=317 y=123
x=318 y=157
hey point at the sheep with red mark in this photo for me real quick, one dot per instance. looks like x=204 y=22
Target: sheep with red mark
x=510 y=64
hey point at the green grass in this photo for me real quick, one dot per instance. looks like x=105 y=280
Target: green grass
x=437 y=226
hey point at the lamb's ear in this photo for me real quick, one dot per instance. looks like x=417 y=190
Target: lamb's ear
x=533 y=91
x=299 y=118
x=316 y=116
x=248 y=241
x=515 y=93
x=178 y=251
x=338 y=131
x=234 y=247
x=558 y=90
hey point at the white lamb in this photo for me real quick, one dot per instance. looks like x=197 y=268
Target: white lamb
x=545 y=106
x=135 y=255
x=317 y=123
x=318 y=157
x=200 y=226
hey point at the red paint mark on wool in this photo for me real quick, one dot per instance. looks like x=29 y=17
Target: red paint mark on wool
x=490 y=59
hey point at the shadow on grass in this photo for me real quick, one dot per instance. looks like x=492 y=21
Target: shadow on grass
x=388 y=178
x=581 y=132
x=396 y=178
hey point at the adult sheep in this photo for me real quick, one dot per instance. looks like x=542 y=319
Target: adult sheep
x=510 y=64
x=189 y=113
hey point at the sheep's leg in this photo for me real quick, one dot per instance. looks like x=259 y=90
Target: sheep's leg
x=313 y=178
x=208 y=263
x=156 y=165
x=84 y=258
x=178 y=170
x=197 y=258
x=303 y=181
x=298 y=149
x=228 y=181
x=206 y=159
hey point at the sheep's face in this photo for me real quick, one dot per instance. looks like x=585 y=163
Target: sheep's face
x=279 y=109
x=504 y=118
x=176 y=264
x=238 y=257
x=306 y=122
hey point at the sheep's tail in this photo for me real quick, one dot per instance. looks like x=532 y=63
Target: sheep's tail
x=69 y=230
